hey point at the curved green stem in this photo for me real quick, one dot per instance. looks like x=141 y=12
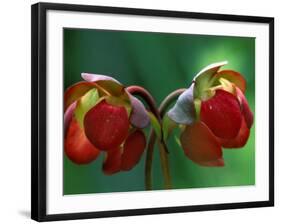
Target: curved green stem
x=169 y=100
x=162 y=147
x=139 y=91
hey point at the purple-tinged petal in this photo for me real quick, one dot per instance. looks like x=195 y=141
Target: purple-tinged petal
x=139 y=117
x=68 y=116
x=97 y=77
x=183 y=112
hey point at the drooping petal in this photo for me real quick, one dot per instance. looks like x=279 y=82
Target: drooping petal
x=75 y=91
x=204 y=77
x=232 y=76
x=200 y=144
x=133 y=149
x=246 y=111
x=222 y=114
x=112 y=162
x=138 y=117
x=68 y=116
x=76 y=145
x=107 y=85
x=183 y=111
x=89 y=77
x=106 y=126
x=240 y=140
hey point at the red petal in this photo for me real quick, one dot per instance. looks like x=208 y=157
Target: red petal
x=77 y=147
x=240 y=140
x=106 y=126
x=234 y=77
x=246 y=111
x=68 y=116
x=75 y=91
x=200 y=144
x=112 y=163
x=133 y=149
x=222 y=114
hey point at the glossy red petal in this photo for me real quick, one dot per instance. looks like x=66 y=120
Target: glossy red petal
x=112 y=163
x=75 y=91
x=234 y=77
x=246 y=111
x=133 y=149
x=240 y=140
x=200 y=144
x=77 y=147
x=106 y=125
x=222 y=114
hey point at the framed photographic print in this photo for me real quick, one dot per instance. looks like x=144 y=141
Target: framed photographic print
x=138 y=111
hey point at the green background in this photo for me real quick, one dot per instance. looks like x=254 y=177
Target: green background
x=161 y=63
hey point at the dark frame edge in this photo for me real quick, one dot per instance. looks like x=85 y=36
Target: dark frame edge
x=153 y=12
x=157 y=211
x=38 y=113
x=34 y=115
x=271 y=111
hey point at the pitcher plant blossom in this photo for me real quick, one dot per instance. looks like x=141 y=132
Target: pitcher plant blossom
x=213 y=113
x=102 y=116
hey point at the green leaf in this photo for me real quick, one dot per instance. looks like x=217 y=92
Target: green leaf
x=155 y=124
x=84 y=104
x=167 y=126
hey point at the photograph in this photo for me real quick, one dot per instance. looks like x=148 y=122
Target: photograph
x=116 y=137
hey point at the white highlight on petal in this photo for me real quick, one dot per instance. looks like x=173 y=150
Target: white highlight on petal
x=214 y=66
x=183 y=111
x=89 y=77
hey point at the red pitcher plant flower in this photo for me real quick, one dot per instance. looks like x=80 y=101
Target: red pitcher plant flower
x=213 y=114
x=102 y=116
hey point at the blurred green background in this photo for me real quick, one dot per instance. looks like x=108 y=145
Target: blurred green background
x=161 y=63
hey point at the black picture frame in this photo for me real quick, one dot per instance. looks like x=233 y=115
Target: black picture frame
x=38 y=116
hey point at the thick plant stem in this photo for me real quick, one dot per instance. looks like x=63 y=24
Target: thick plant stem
x=148 y=161
x=165 y=165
